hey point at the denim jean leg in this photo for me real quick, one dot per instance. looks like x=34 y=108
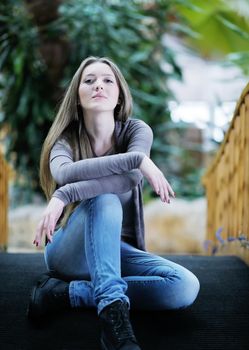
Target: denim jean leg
x=65 y=256
x=102 y=248
x=81 y=294
x=155 y=283
x=86 y=252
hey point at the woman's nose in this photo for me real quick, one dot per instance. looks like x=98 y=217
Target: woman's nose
x=98 y=86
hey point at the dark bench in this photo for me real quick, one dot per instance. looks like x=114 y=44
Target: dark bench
x=219 y=319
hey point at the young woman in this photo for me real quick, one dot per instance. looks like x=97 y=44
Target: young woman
x=92 y=167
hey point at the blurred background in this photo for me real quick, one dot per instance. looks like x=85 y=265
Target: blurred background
x=186 y=62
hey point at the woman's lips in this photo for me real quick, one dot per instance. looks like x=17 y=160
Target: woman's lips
x=99 y=96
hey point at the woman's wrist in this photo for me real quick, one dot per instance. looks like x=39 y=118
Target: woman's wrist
x=59 y=198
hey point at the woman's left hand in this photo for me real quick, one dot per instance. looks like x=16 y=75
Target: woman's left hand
x=156 y=179
x=49 y=219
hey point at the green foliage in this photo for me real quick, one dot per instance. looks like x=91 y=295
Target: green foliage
x=132 y=36
x=25 y=100
x=180 y=158
x=222 y=27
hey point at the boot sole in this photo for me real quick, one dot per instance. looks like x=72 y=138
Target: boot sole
x=32 y=313
x=104 y=347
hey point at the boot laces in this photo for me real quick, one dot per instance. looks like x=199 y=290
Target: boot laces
x=121 y=327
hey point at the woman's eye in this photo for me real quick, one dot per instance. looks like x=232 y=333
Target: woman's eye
x=90 y=81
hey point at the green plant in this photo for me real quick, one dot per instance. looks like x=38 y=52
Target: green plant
x=26 y=102
x=222 y=27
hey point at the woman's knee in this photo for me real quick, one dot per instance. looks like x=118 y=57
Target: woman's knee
x=181 y=289
x=108 y=206
x=189 y=286
x=108 y=201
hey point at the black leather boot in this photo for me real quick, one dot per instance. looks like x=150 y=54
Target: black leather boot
x=117 y=332
x=49 y=296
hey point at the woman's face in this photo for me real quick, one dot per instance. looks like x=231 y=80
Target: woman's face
x=98 y=89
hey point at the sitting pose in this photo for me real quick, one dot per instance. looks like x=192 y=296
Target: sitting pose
x=92 y=166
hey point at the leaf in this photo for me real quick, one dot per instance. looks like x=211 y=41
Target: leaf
x=184 y=29
x=236 y=29
x=18 y=62
x=4 y=57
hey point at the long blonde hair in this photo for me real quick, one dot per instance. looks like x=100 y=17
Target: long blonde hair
x=69 y=124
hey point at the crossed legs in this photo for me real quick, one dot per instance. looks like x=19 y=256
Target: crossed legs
x=89 y=252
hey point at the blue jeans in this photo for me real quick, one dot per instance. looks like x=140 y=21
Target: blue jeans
x=102 y=268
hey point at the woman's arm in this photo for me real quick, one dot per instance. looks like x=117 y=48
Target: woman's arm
x=140 y=137
x=64 y=170
x=82 y=190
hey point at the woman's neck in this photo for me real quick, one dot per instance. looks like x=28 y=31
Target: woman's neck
x=100 y=129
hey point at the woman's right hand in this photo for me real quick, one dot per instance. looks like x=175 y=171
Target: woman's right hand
x=156 y=179
x=49 y=219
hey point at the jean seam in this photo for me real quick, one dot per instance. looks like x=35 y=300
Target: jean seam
x=133 y=261
x=147 y=282
x=72 y=295
x=91 y=241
